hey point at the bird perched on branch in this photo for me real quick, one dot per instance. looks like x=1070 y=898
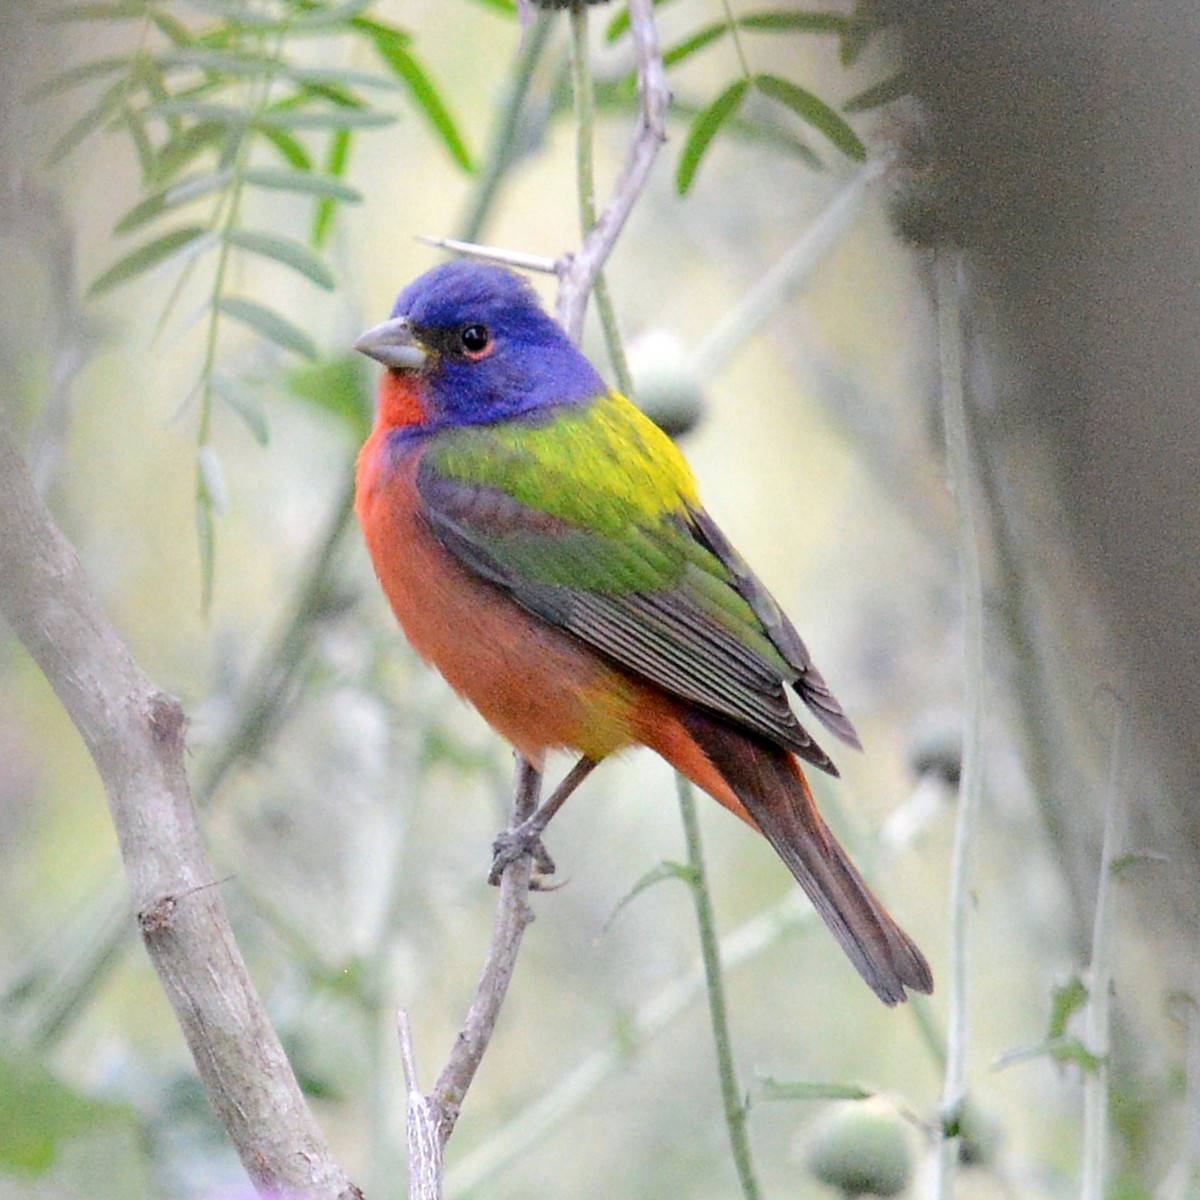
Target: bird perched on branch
x=543 y=545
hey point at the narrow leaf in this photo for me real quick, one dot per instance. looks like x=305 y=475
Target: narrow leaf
x=291 y=149
x=212 y=478
x=879 y=94
x=335 y=163
x=794 y=22
x=658 y=874
x=338 y=388
x=243 y=402
x=327 y=118
x=195 y=187
x=286 y=251
x=178 y=151
x=73 y=77
x=95 y=12
x=704 y=128
x=815 y=112
x=775 y=1089
x=698 y=40
x=175 y=30
x=148 y=255
x=272 y=325
x=109 y=102
x=392 y=48
x=304 y=182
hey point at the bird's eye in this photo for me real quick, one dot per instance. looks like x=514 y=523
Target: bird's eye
x=475 y=340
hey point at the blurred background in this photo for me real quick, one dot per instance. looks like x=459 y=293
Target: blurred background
x=350 y=800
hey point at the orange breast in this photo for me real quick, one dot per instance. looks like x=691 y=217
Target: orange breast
x=537 y=687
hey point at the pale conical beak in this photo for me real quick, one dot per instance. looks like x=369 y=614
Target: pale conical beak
x=394 y=345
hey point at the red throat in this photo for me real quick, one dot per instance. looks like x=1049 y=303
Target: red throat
x=401 y=402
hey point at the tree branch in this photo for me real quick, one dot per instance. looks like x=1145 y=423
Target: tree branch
x=579 y=271
x=135 y=734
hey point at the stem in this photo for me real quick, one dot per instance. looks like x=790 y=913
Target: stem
x=509 y=1144
x=764 y=300
x=1096 y=1037
x=500 y=155
x=731 y=1097
x=736 y=37
x=950 y=344
x=580 y=270
x=585 y=171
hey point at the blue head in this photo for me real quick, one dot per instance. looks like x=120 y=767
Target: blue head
x=481 y=346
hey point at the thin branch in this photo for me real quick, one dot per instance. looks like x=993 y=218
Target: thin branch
x=710 y=952
x=580 y=271
x=135 y=734
x=508 y=1144
x=950 y=342
x=1095 y=1082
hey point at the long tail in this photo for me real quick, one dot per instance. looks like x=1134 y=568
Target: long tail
x=768 y=782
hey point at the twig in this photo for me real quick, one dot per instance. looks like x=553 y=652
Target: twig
x=135 y=734
x=501 y=153
x=431 y=1118
x=580 y=271
x=1096 y=1038
x=767 y=296
x=424 y=1144
x=950 y=342
x=585 y=187
x=735 y=1109
x=511 y=1142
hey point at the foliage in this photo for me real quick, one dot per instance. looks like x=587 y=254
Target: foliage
x=219 y=106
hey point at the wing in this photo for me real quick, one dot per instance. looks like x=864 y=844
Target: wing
x=592 y=523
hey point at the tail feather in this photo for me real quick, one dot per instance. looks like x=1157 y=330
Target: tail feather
x=768 y=782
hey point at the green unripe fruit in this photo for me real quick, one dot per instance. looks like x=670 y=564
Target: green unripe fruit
x=861 y=1148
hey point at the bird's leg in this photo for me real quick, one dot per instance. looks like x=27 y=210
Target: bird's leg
x=526 y=837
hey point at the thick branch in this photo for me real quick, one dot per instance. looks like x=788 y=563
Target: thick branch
x=579 y=272
x=135 y=734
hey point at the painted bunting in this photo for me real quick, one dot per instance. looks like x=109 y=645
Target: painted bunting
x=543 y=545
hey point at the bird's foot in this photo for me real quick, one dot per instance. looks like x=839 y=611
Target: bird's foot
x=510 y=845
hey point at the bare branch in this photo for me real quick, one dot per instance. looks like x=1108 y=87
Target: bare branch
x=654 y=96
x=135 y=734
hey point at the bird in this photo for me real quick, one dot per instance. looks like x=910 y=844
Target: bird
x=543 y=545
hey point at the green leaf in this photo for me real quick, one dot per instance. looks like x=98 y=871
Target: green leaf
x=190 y=143
x=704 y=128
x=194 y=187
x=304 y=182
x=174 y=30
x=794 y=22
x=95 y=12
x=620 y=23
x=286 y=251
x=335 y=163
x=291 y=149
x=74 y=77
x=658 y=874
x=1065 y=1001
x=323 y=118
x=38 y=1113
x=815 y=112
x=698 y=40
x=507 y=7
x=879 y=94
x=272 y=325
x=338 y=387
x=105 y=107
x=775 y=1089
x=243 y=402
x=391 y=45
x=148 y=255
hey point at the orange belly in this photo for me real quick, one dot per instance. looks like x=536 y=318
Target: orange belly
x=537 y=687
